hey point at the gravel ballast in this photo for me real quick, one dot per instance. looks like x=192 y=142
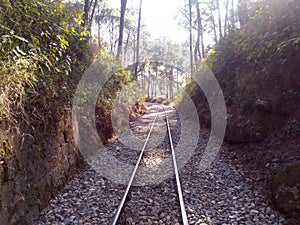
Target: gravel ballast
x=218 y=195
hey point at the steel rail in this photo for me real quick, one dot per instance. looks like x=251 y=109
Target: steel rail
x=133 y=174
x=179 y=190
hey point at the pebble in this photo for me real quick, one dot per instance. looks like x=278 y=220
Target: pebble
x=218 y=195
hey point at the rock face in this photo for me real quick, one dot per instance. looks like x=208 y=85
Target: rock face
x=37 y=168
x=285 y=190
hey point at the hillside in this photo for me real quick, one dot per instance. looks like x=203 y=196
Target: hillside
x=259 y=72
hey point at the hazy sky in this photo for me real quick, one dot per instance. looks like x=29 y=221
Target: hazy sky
x=159 y=17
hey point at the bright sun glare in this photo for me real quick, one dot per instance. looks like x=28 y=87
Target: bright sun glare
x=158 y=15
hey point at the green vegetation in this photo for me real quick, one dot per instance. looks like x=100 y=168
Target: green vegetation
x=45 y=49
x=257 y=66
x=46 y=46
x=264 y=50
x=119 y=89
x=39 y=68
x=39 y=42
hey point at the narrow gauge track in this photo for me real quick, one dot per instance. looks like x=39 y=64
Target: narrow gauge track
x=178 y=184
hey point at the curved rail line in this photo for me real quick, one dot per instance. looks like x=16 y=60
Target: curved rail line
x=179 y=190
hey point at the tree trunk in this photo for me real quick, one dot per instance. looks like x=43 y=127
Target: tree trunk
x=220 y=21
x=143 y=82
x=149 y=81
x=191 y=38
x=92 y=15
x=153 y=85
x=156 y=81
x=134 y=53
x=86 y=12
x=226 y=18
x=232 y=15
x=197 y=54
x=87 y=19
x=112 y=31
x=202 y=43
x=214 y=27
x=99 y=29
x=200 y=39
x=166 y=86
x=243 y=13
x=121 y=29
x=171 y=83
x=138 y=40
x=201 y=31
x=126 y=47
x=177 y=80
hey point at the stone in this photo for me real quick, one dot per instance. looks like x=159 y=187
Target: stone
x=285 y=190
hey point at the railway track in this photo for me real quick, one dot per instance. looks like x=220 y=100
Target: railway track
x=218 y=195
x=138 y=163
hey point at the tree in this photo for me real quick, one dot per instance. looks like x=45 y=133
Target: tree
x=138 y=40
x=232 y=16
x=121 y=28
x=129 y=39
x=89 y=6
x=200 y=40
x=243 y=12
x=113 y=25
x=102 y=19
x=219 y=19
x=226 y=17
x=191 y=37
